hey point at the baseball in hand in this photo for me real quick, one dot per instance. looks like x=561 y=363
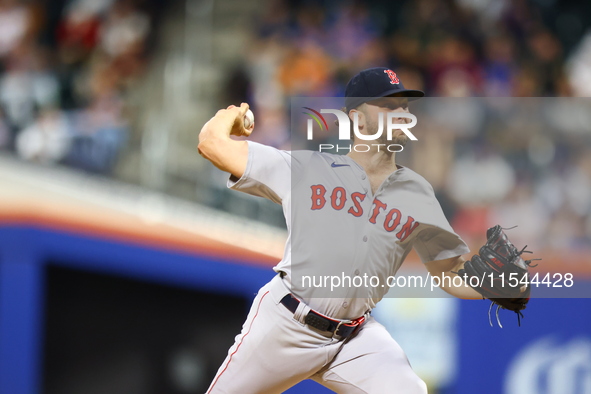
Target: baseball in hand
x=248 y=119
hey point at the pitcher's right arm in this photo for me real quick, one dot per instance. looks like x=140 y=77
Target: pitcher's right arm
x=216 y=145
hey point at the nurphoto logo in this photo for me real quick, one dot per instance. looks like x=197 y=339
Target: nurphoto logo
x=344 y=124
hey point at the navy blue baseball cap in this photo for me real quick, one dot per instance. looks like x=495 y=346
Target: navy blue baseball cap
x=374 y=83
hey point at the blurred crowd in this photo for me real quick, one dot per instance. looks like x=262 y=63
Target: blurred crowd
x=448 y=48
x=63 y=80
x=510 y=161
x=482 y=174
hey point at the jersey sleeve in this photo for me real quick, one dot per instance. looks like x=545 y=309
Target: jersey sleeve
x=268 y=173
x=436 y=239
x=439 y=243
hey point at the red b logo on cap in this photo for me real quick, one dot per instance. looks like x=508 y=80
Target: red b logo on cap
x=393 y=78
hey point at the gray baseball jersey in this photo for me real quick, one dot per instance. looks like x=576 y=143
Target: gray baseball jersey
x=337 y=226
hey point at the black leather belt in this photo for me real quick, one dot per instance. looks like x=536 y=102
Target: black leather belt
x=342 y=328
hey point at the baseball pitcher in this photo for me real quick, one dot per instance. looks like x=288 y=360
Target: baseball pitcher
x=357 y=214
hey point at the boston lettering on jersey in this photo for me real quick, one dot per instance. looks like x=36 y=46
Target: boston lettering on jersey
x=338 y=199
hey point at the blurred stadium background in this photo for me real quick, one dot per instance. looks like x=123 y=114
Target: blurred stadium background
x=127 y=267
